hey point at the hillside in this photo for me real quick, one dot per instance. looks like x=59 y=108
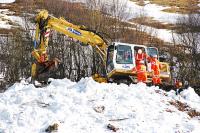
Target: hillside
x=9 y=20
x=88 y=107
x=78 y=104
x=174 y=6
x=151 y=14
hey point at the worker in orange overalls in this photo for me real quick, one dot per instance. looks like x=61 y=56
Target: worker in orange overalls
x=155 y=67
x=140 y=56
x=141 y=72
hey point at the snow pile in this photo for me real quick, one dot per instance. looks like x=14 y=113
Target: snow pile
x=134 y=108
x=191 y=98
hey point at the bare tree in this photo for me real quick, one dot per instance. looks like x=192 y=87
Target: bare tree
x=189 y=36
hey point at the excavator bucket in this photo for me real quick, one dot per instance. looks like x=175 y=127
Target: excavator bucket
x=43 y=71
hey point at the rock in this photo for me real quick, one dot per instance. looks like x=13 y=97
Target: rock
x=52 y=128
x=99 y=109
x=113 y=128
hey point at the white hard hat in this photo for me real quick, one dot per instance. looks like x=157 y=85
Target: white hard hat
x=155 y=56
x=139 y=51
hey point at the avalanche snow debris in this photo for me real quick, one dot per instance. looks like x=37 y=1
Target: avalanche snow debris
x=134 y=108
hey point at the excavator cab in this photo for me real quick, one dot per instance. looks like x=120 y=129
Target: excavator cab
x=120 y=62
x=121 y=59
x=152 y=51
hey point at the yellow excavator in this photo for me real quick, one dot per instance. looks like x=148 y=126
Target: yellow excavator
x=118 y=58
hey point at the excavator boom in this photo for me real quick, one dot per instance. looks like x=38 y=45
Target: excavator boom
x=45 y=23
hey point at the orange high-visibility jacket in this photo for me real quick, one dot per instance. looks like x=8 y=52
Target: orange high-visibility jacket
x=141 y=72
x=155 y=66
x=140 y=57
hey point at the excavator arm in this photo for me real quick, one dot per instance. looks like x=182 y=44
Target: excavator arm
x=45 y=23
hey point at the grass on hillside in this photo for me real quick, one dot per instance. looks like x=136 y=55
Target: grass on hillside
x=175 y=6
x=17 y=9
x=7 y=31
x=139 y=2
x=149 y=21
x=142 y=37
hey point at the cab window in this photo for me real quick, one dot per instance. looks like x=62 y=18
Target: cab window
x=152 y=51
x=124 y=55
x=110 y=53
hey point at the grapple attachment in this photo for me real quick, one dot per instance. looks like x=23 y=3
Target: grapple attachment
x=42 y=71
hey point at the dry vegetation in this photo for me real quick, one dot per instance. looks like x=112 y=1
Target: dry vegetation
x=17 y=9
x=14 y=7
x=7 y=31
x=104 y=23
x=175 y=6
x=185 y=108
x=82 y=16
x=139 y=2
x=149 y=21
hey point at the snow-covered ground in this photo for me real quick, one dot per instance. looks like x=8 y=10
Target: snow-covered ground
x=155 y=11
x=133 y=10
x=163 y=34
x=4 y=20
x=7 y=17
x=8 y=20
x=7 y=1
x=132 y=109
x=1 y=76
